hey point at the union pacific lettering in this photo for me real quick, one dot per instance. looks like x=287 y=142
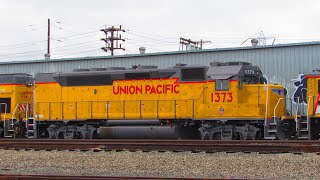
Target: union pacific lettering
x=147 y=89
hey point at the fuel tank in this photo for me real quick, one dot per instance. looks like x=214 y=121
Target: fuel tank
x=148 y=132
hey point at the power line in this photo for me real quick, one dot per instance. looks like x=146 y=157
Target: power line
x=151 y=38
x=166 y=37
x=24 y=31
x=96 y=49
x=20 y=44
x=33 y=42
x=188 y=43
x=41 y=50
x=141 y=45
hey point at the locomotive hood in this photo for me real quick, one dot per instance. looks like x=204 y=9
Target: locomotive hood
x=233 y=70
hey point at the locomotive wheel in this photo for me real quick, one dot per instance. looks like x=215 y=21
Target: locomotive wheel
x=60 y=135
x=286 y=130
x=206 y=136
x=259 y=135
x=216 y=136
x=95 y=135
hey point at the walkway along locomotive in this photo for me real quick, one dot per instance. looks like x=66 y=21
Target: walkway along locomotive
x=223 y=101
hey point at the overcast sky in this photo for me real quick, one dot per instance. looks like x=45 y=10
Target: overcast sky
x=156 y=25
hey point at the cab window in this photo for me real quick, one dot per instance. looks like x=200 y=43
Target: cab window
x=222 y=85
x=3 y=103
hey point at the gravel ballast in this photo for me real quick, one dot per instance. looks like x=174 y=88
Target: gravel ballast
x=167 y=164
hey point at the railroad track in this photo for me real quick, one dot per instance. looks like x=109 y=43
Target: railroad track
x=29 y=177
x=163 y=145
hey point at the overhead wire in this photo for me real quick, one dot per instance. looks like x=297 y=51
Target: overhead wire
x=146 y=39
x=82 y=52
x=142 y=36
x=138 y=45
x=55 y=49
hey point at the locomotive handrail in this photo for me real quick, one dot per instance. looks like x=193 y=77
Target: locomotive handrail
x=15 y=109
x=267 y=100
x=308 y=105
x=89 y=104
x=120 y=100
x=27 y=111
x=296 y=115
x=274 y=110
x=297 y=106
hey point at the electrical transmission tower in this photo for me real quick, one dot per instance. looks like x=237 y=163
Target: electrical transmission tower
x=259 y=39
x=192 y=45
x=112 y=41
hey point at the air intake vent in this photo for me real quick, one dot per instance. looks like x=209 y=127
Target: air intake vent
x=116 y=68
x=147 y=67
x=240 y=63
x=213 y=64
x=180 y=65
x=139 y=75
x=193 y=74
x=98 y=69
x=80 y=70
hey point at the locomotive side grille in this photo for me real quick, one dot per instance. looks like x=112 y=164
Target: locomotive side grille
x=190 y=74
x=137 y=76
x=87 y=81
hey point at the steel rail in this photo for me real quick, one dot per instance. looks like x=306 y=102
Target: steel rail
x=183 y=145
x=29 y=177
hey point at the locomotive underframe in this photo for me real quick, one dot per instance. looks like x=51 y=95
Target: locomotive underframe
x=68 y=129
x=208 y=129
x=231 y=130
x=286 y=129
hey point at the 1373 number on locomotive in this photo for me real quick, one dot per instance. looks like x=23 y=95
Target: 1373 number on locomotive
x=221 y=97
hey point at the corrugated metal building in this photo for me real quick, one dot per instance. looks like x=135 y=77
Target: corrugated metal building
x=280 y=63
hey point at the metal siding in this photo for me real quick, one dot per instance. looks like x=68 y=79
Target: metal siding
x=280 y=64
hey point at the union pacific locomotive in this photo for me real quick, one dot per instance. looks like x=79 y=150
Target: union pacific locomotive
x=221 y=101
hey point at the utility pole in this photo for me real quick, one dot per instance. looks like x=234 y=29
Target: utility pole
x=197 y=45
x=201 y=43
x=112 y=41
x=47 y=55
x=187 y=43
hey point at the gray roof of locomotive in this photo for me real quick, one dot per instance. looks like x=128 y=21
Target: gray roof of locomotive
x=232 y=70
x=216 y=70
x=17 y=78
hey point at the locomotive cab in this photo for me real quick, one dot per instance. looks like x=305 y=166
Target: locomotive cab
x=309 y=123
x=238 y=102
x=313 y=94
x=16 y=97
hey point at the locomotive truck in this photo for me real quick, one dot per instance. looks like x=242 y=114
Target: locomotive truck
x=222 y=101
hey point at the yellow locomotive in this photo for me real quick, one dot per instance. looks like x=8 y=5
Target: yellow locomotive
x=16 y=98
x=223 y=101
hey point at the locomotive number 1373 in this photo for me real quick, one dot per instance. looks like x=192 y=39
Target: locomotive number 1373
x=221 y=97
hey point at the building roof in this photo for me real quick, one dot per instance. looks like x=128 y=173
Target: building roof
x=165 y=53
